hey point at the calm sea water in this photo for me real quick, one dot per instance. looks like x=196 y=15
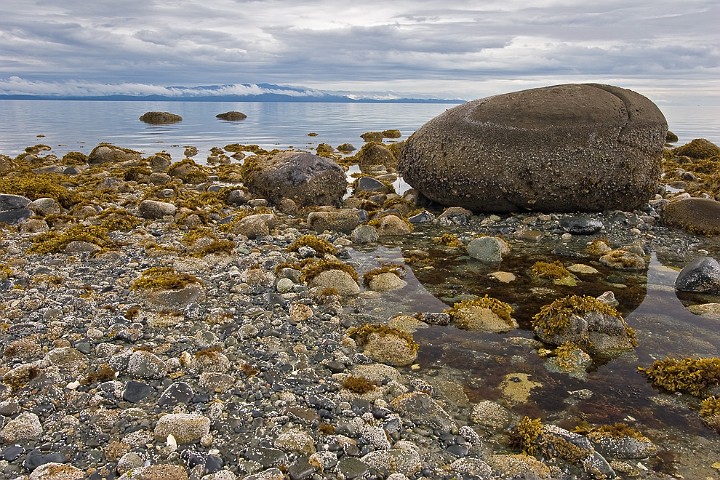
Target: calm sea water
x=68 y=125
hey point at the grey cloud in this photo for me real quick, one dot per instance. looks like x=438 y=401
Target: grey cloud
x=346 y=43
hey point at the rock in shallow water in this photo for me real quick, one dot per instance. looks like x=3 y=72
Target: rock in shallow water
x=700 y=276
x=585 y=147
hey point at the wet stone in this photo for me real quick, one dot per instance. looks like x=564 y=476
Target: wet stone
x=581 y=225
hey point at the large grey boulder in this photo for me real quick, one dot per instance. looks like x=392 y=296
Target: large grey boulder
x=575 y=147
x=305 y=178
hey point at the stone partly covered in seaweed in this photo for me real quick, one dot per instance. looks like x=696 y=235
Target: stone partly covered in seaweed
x=584 y=147
x=160 y=117
x=698 y=148
x=384 y=344
x=483 y=314
x=106 y=153
x=596 y=327
x=168 y=288
x=305 y=178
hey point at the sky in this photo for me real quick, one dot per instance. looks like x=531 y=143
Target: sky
x=666 y=50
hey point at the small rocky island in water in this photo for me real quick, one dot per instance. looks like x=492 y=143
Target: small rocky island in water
x=544 y=303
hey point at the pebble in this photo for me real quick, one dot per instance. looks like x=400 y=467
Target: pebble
x=264 y=400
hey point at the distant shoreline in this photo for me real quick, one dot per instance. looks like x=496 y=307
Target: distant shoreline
x=231 y=98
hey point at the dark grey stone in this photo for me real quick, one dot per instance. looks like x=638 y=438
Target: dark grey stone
x=14 y=216
x=369 y=184
x=179 y=392
x=12 y=202
x=12 y=452
x=136 y=391
x=422 y=217
x=581 y=225
x=36 y=458
x=301 y=470
x=267 y=457
x=702 y=275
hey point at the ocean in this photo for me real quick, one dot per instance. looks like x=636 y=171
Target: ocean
x=71 y=125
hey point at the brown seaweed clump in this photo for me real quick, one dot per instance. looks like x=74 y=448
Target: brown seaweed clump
x=690 y=375
x=163 y=278
x=318 y=244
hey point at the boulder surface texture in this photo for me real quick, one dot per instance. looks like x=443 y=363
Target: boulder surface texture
x=574 y=147
x=302 y=177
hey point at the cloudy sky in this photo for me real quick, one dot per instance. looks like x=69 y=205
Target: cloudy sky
x=668 y=50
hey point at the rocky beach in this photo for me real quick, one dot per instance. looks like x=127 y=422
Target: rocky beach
x=267 y=315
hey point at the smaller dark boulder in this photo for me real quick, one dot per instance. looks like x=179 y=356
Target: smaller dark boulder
x=702 y=275
x=231 y=116
x=305 y=178
x=160 y=117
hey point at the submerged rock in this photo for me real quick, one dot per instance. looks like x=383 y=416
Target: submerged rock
x=585 y=147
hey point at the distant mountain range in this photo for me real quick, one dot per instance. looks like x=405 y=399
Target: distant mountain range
x=240 y=92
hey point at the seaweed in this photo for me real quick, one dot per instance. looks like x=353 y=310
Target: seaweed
x=525 y=435
x=498 y=307
x=554 y=270
x=362 y=333
x=358 y=385
x=690 y=375
x=321 y=246
x=163 y=278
